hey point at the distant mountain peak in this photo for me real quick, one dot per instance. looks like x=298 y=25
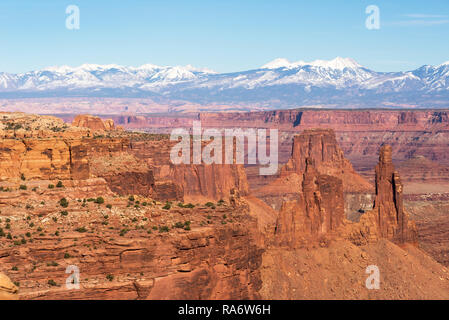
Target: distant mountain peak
x=338 y=63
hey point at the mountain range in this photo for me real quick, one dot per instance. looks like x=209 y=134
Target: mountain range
x=339 y=83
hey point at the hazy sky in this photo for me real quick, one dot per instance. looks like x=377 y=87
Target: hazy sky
x=224 y=35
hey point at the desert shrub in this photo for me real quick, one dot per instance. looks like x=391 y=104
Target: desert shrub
x=109 y=206
x=23 y=187
x=167 y=206
x=64 y=213
x=110 y=277
x=131 y=198
x=63 y=203
x=99 y=200
x=52 y=283
x=81 y=229
x=179 y=225
x=209 y=204
x=59 y=184
x=51 y=186
x=164 y=229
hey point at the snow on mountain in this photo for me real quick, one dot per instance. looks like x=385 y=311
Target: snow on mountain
x=337 y=64
x=319 y=81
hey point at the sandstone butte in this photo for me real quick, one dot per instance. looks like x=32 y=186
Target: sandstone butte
x=109 y=202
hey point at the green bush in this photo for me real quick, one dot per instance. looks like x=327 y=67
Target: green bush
x=81 y=229
x=167 y=206
x=52 y=283
x=131 y=198
x=99 y=200
x=109 y=206
x=179 y=225
x=63 y=203
x=23 y=187
x=164 y=229
x=209 y=204
x=51 y=186
x=59 y=184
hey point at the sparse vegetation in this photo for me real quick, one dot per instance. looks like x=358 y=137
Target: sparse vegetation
x=52 y=283
x=63 y=203
x=99 y=200
x=59 y=184
x=164 y=229
x=167 y=206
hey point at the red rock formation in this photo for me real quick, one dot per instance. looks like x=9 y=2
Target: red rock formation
x=8 y=291
x=197 y=182
x=93 y=123
x=319 y=212
x=392 y=219
x=43 y=159
x=388 y=219
x=321 y=147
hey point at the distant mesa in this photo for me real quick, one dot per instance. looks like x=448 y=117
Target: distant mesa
x=94 y=123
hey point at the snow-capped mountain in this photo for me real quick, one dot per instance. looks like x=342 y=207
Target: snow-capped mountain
x=279 y=83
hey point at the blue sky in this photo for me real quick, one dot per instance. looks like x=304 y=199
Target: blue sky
x=222 y=35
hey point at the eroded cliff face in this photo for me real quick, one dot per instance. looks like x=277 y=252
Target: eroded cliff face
x=317 y=254
x=319 y=211
x=198 y=182
x=321 y=148
x=43 y=159
x=388 y=219
x=93 y=123
x=143 y=251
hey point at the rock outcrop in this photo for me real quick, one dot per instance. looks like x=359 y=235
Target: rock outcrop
x=319 y=212
x=43 y=159
x=8 y=291
x=388 y=219
x=93 y=123
x=321 y=147
x=393 y=220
